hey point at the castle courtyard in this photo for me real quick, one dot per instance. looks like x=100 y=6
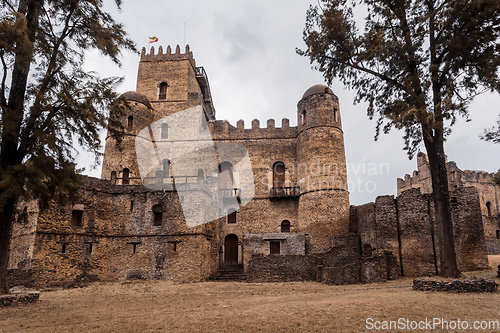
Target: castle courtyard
x=163 y=306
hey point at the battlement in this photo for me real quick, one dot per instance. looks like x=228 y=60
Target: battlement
x=421 y=177
x=477 y=176
x=222 y=129
x=168 y=55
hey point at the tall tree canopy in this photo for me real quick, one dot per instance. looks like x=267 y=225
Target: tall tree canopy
x=418 y=64
x=48 y=102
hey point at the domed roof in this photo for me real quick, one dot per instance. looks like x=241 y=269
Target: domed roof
x=317 y=89
x=135 y=96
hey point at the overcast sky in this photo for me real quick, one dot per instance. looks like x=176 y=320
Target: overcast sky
x=248 y=51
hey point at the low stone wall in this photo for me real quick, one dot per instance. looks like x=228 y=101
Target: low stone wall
x=474 y=285
x=23 y=297
x=281 y=268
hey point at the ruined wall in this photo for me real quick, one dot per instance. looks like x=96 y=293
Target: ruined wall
x=405 y=226
x=117 y=238
x=489 y=193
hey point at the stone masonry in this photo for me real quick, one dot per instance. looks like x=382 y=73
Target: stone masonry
x=147 y=218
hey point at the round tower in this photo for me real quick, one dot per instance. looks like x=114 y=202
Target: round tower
x=322 y=172
x=120 y=160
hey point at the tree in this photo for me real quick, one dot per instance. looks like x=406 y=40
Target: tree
x=418 y=64
x=48 y=101
x=492 y=134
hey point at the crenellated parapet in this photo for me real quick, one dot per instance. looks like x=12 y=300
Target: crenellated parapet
x=473 y=176
x=167 y=55
x=421 y=178
x=222 y=129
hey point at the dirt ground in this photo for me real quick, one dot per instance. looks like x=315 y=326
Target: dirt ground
x=163 y=306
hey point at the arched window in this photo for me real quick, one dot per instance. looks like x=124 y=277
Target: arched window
x=488 y=207
x=285 y=226
x=164 y=131
x=278 y=174
x=126 y=177
x=231 y=215
x=163 y=91
x=166 y=168
x=157 y=215
x=303 y=117
x=130 y=123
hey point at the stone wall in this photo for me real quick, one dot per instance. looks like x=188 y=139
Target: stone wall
x=281 y=268
x=405 y=226
x=118 y=240
x=488 y=193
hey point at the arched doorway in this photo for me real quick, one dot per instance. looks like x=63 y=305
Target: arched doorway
x=231 y=250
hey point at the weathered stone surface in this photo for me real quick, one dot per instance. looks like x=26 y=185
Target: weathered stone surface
x=19 y=297
x=119 y=231
x=471 y=285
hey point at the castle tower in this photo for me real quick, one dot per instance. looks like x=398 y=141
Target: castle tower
x=167 y=83
x=120 y=161
x=172 y=82
x=322 y=174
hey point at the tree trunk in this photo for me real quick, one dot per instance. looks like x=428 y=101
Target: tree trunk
x=441 y=196
x=6 y=218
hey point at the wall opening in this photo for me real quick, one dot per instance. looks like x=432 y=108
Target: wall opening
x=303 y=117
x=274 y=247
x=225 y=178
x=91 y=245
x=166 y=168
x=164 y=131
x=279 y=174
x=231 y=250
x=126 y=177
x=131 y=205
x=285 y=226
x=498 y=233
x=157 y=215
x=488 y=208
x=162 y=94
x=63 y=248
x=130 y=123
x=77 y=218
x=231 y=215
x=113 y=175
x=201 y=175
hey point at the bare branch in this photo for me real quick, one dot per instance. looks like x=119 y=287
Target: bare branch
x=3 y=99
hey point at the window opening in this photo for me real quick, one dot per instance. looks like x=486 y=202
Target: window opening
x=126 y=177
x=163 y=91
x=285 y=226
x=164 y=131
x=231 y=215
x=77 y=218
x=157 y=215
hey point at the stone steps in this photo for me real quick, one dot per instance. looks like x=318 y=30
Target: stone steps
x=229 y=273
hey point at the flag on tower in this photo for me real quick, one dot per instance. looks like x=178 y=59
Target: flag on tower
x=153 y=39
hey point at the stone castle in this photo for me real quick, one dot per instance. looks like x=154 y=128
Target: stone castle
x=271 y=202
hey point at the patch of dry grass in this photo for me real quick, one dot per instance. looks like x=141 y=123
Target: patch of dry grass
x=162 y=306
